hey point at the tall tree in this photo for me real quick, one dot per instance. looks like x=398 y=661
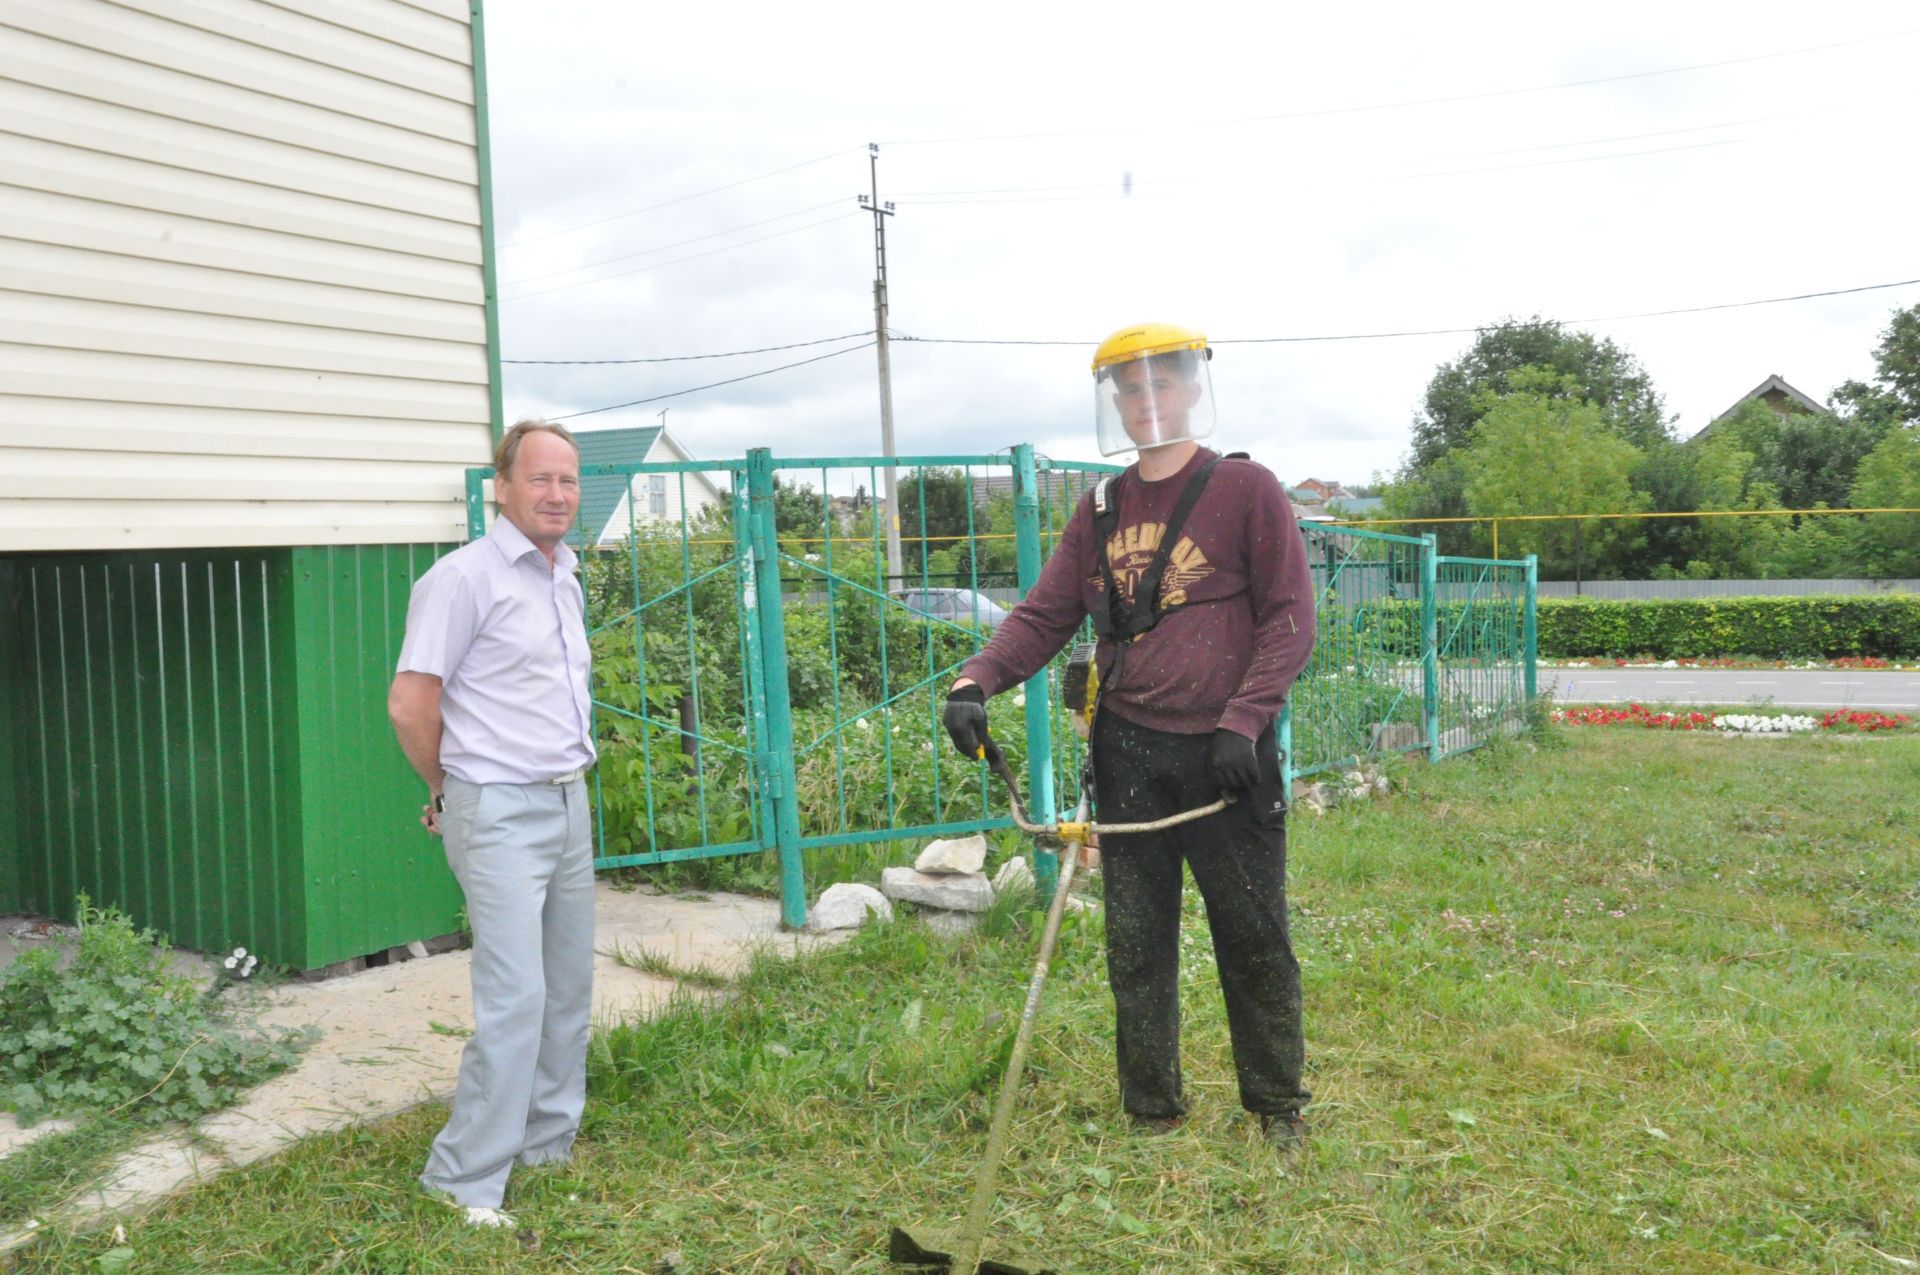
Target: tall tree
x=1539 y=449
x=1894 y=396
x=1585 y=367
x=1888 y=545
x=935 y=509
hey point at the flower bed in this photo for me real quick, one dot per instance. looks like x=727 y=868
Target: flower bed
x=1840 y=720
x=1854 y=663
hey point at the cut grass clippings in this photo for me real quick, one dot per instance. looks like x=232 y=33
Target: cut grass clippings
x=1643 y=1002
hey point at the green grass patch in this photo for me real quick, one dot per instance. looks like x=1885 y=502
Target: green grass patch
x=1643 y=1002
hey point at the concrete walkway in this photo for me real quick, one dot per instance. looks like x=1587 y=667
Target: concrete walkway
x=390 y=1039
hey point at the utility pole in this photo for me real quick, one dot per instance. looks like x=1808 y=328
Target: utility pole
x=880 y=213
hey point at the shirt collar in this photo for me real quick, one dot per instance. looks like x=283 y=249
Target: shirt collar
x=513 y=545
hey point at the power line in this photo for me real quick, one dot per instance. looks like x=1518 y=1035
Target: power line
x=683 y=358
x=1403 y=103
x=1383 y=336
x=646 y=252
x=1106 y=187
x=660 y=265
x=668 y=203
x=695 y=389
x=1447 y=172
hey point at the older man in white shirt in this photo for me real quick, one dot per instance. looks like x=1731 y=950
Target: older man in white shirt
x=492 y=708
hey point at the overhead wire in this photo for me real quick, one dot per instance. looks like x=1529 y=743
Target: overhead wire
x=694 y=389
x=681 y=199
x=660 y=265
x=1383 y=336
x=1402 y=103
x=647 y=252
x=685 y=358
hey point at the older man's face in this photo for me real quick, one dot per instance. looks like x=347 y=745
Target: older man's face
x=542 y=494
x=1154 y=400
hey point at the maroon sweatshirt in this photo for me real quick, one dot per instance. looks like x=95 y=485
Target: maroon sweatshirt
x=1223 y=659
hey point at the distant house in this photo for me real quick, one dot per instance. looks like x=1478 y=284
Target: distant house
x=611 y=506
x=1775 y=393
x=1328 y=492
x=1309 y=504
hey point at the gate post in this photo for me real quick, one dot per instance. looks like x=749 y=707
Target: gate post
x=1430 y=640
x=771 y=623
x=1026 y=550
x=1530 y=627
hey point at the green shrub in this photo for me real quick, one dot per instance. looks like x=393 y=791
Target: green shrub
x=116 y=1034
x=1785 y=628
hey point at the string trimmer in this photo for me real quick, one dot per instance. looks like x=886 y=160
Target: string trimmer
x=961 y=1254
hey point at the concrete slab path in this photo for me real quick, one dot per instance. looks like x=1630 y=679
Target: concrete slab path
x=390 y=1039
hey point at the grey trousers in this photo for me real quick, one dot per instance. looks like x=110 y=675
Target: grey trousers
x=524 y=859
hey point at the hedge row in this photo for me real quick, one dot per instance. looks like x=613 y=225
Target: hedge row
x=1886 y=625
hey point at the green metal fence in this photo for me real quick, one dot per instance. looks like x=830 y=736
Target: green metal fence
x=763 y=681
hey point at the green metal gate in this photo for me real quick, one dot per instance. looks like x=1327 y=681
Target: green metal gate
x=760 y=686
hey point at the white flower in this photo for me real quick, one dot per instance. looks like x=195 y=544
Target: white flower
x=232 y=961
x=1020 y=700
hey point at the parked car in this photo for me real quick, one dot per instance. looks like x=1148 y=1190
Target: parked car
x=956 y=606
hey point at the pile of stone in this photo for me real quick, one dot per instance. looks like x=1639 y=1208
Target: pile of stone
x=946 y=885
x=1353 y=785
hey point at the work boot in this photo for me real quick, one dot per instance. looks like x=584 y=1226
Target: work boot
x=1284 y=1131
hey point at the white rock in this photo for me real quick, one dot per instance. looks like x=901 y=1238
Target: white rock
x=951 y=891
x=846 y=906
x=1015 y=874
x=960 y=855
x=950 y=923
x=1354 y=779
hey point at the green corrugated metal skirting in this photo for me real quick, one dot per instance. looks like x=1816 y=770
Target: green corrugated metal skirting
x=199 y=738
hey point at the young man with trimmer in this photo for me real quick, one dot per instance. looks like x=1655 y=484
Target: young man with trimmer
x=1194 y=574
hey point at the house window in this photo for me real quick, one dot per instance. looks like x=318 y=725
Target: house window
x=656 y=495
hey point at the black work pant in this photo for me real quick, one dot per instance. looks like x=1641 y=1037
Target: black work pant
x=1239 y=861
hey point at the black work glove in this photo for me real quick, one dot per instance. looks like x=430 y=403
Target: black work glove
x=966 y=721
x=1231 y=762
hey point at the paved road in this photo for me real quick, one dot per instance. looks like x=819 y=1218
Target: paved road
x=1812 y=688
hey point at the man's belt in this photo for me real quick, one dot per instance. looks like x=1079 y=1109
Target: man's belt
x=560 y=781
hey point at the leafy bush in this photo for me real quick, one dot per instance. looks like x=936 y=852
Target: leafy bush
x=1671 y=628
x=116 y=1033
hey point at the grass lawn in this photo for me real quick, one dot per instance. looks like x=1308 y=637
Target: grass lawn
x=1642 y=1003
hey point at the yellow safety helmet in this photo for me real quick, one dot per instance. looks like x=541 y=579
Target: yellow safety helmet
x=1151 y=388
x=1145 y=339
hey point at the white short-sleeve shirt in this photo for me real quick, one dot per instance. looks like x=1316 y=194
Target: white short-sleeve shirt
x=506 y=635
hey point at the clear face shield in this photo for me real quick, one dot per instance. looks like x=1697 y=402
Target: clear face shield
x=1154 y=401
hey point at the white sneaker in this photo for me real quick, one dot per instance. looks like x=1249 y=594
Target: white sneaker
x=477 y=1216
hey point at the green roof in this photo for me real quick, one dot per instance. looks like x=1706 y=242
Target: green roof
x=600 y=496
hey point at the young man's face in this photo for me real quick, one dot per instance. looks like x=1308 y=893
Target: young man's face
x=1154 y=399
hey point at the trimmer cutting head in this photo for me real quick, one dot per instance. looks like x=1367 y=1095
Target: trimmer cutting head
x=932 y=1250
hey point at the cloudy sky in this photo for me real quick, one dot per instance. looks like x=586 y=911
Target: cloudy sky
x=675 y=180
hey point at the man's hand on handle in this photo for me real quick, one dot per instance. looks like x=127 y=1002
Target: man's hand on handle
x=966 y=722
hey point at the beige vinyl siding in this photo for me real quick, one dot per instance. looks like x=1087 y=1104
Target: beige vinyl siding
x=241 y=294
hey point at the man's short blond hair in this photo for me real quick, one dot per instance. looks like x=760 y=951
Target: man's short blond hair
x=509 y=449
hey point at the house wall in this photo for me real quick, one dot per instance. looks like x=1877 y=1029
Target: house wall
x=242 y=283
x=201 y=740
x=155 y=723
x=373 y=878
